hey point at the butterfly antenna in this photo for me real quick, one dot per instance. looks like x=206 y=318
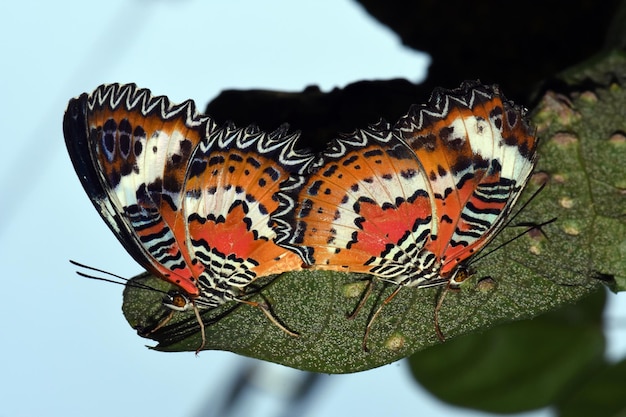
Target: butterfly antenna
x=125 y=281
x=526 y=203
x=531 y=228
x=91 y=268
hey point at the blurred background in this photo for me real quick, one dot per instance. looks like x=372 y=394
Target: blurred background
x=65 y=346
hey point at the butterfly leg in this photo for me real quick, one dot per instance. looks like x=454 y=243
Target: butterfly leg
x=440 y=335
x=167 y=318
x=364 y=297
x=202 y=332
x=371 y=321
x=268 y=313
x=161 y=324
x=452 y=285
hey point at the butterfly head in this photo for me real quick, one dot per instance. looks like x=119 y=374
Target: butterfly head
x=177 y=301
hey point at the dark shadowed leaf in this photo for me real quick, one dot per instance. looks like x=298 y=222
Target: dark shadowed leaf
x=600 y=395
x=516 y=366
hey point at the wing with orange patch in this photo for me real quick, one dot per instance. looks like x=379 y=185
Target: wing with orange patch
x=478 y=151
x=131 y=150
x=365 y=209
x=228 y=198
x=207 y=230
x=411 y=203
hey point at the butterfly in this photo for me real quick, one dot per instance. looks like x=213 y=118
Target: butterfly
x=189 y=201
x=412 y=203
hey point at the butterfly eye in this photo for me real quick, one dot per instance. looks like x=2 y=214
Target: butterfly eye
x=177 y=301
x=460 y=275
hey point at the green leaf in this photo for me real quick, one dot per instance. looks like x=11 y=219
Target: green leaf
x=600 y=395
x=517 y=366
x=582 y=157
x=316 y=304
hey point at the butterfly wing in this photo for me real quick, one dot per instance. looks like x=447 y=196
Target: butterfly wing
x=130 y=151
x=478 y=152
x=191 y=202
x=365 y=209
x=229 y=196
x=410 y=204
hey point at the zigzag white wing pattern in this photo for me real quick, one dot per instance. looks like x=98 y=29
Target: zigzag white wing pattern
x=171 y=184
x=366 y=208
x=478 y=152
x=412 y=203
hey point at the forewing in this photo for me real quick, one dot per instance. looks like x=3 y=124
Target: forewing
x=478 y=152
x=228 y=199
x=131 y=151
x=365 y=208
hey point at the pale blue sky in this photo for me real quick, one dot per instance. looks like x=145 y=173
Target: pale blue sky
x=65 y=347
